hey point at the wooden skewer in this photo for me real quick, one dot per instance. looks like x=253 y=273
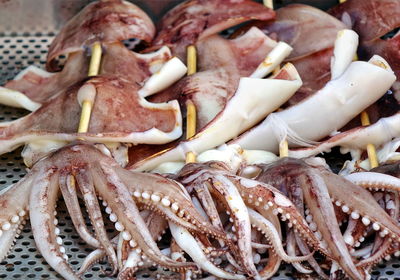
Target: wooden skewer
x=269 y=4
x=371 y=150
x=88 y=104
x=95 y=59
x=190 y=108
x=85 y=116
x=190 y=128
x=191 y=60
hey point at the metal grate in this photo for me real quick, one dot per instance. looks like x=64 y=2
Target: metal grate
x=24 y=261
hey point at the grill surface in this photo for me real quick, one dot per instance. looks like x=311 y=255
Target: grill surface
x=24 y=261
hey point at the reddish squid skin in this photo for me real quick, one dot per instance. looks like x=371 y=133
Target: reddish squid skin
x=102 y=21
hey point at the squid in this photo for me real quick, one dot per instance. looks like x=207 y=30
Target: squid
x=249 y=204
x=115 y=118
x=82 y=169
x=241 y=112
x=345 y=96
x=33 y=86
x=107 y=22
x=102 y=21
x=377 y=23
x=311 y=33
x=318 y=192
x=193 y=21
x=356 y=140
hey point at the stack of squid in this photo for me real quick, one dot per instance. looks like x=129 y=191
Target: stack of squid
x=239 y=211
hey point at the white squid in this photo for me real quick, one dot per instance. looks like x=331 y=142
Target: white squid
x=354 y=86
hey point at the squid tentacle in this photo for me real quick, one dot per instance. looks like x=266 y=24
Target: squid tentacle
x=68 y=190
x=9 y=237
x=267 y=228
x=272 y=199
x=86 y=186
x=354 y=233
x=211 y=211
x=207 y=201
x=316 y=193
x=297 y=197
x=128 y=274
x=223 y=187
x=14 y=201
x=112 y=189
x=291 y=248
x=274 y=261
x=169 y=199
x=202 y=191
x=42 y=206
x=313 y=263
x=189 y=244
x=91 y=259
x=131 y=259
x=383 y=245
x=375 y=181
x=322 y=219
x=360 y=202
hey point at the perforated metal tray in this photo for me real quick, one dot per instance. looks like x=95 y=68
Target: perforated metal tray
x=17 y=51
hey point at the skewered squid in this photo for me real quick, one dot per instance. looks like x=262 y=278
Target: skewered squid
x=377 y=23
x=311 y=33
x=345 y=96
x=33 y=86
x=115 y=117
x=108 y=22
x=196 y=20
x=240 y=113
x=75 y=171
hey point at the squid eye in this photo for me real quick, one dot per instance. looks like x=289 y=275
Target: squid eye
x=392 y=33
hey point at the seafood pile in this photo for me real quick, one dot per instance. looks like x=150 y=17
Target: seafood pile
x=284 y=79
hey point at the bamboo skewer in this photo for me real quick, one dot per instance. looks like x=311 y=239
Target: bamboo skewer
x=269 y=4
x=371 y=150
x=191 y=60
x=87 y=104
x=190 y=108
x=190 y=128
x=95 y=60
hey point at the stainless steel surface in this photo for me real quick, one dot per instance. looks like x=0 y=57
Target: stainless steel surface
x=19 y=17
x=26 y=29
